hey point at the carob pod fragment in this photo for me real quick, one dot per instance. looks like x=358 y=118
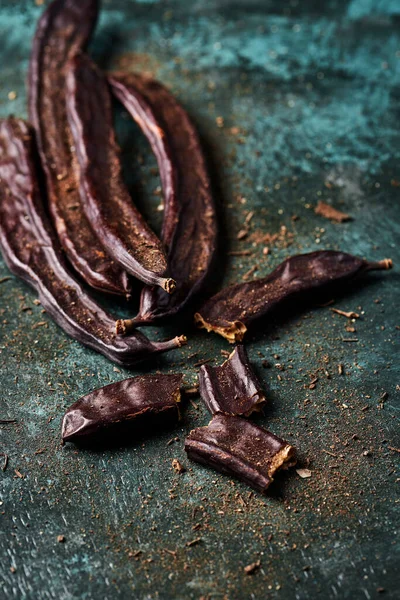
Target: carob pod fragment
x=63 y=30
x=127 y=400
x=105 y=198
x=190 y=221
x=233 y=309
x=237 y=447
x=32 y=252
x=233 y=387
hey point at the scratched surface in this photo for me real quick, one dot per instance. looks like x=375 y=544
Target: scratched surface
x=296 y=102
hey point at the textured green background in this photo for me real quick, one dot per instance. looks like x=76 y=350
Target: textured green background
x=314 y=88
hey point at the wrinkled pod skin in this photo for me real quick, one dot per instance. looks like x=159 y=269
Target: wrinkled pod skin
x=31 y=251
x=63 y=31
x=105 y=198
x=145 y=396
x=231 y=388
x=232 y=310
x=190 y=221
x=236 y=447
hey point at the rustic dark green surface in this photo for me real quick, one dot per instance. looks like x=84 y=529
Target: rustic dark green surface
x=314 y=89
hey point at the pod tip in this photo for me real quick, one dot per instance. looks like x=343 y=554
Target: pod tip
x=169 y=285
x=181 y=340
x=380 y=265
x=120 y=327
x=387 y=263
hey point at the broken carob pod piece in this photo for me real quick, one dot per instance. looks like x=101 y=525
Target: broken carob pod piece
x=190 y=222
x=237 y=447
x=127 y=400
x=233 y=309
x=105 y=199
x=63 y=30
x=233 y=387
x=32 y=252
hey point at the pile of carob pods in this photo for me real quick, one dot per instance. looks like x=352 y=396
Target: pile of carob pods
x=68 y=224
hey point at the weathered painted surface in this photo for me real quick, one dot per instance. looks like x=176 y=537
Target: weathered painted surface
x=297 y=102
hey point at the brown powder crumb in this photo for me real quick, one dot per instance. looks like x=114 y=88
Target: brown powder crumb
x=249 y=273
x=240 y=253
x=349 y=315
x=177 y=466
x=282 y=239
x=242 y=234
x=252 y=568
x=193 y=542
x=328 y=212
x=304 y=473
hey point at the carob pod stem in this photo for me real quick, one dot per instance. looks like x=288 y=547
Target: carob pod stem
x=190 y=221
x=105 y=199
x=237 y=447
x=232 y=388
x=32 y=252
x=127 y=400
x=233 y=309
x=63 y=30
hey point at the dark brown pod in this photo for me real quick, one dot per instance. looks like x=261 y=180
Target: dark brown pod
x=232 y=388
x=190 y=222
x=127 y=400
x=32 y=252
x=63 y=30
x=105 y=199
x=237 y=447
x=233 y=309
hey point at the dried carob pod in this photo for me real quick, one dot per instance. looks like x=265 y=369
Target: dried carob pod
x=232 y=388
x=105 y=198
x=64 y=30
x=235 y=308
x=145 y=396
x=32 y=252
x=237 y=447
x=190 y=221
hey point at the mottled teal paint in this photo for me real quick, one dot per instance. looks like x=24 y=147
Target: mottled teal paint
x=314 y=88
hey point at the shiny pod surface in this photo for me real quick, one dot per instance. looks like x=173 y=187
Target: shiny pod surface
x=64 y=30
x=130 y=399
x=32 y=252
x=234 y=308
x=190 y=220
x=232 y=388
x=237 y=447
x=105 y=198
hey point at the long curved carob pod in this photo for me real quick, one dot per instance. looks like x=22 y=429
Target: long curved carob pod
x=63 y=30
x=33 y=254
x=190 y=222
x=105 y=198
x=233 y=309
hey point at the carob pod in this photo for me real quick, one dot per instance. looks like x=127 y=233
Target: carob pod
x=127 y=400
x=232 y=388
x=105 y=199
x=63 y=30
x=233 y=309
x=190 y=221
x=237 y=447
x=32 y=252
